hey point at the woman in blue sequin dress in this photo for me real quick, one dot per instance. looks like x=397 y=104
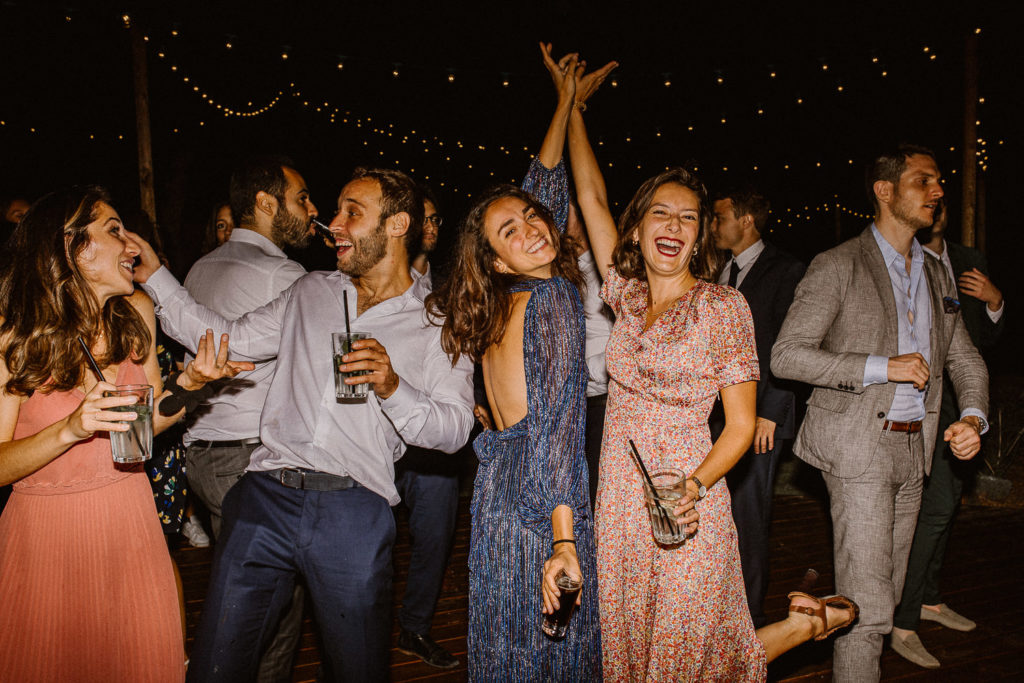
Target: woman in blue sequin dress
x=513 y=304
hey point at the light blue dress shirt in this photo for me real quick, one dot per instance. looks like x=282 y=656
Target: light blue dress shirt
x=914 y=322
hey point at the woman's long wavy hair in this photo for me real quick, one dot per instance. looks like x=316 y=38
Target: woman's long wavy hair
x=474 y=300
x=627 y=257
x=46 y=304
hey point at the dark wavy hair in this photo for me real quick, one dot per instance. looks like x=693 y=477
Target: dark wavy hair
x=889 y=165
x=474 y=300
x=46 y=304
x=627 y=257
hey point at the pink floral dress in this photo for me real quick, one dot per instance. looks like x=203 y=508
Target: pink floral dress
x=671 y=613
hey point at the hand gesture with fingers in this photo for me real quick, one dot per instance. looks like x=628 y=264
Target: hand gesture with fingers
x=588 y=83
x=975 y=283
x=562 y=72
x=371 y=356
x=211 y=364
x=149 y=261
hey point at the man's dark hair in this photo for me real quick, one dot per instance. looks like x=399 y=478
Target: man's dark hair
x=258 y=174
x=398 y=194
x=889 y=165
x=428 y=195
x=746 y=199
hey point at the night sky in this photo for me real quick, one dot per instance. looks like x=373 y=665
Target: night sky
x=66 y=72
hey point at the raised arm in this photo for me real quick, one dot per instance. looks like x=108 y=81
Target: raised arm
x=590 y=188
x=563 y=76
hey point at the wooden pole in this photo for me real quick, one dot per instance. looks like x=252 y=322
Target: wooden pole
x=979 y=231
x=839 y=224
x=970 y=139
x=147 y=193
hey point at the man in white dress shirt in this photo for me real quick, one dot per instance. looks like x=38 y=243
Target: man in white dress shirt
x=315 y=500
x=272 y=208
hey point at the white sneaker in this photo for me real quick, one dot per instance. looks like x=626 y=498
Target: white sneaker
x=193 y=531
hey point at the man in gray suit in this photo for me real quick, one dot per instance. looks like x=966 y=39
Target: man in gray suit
x=873 y=325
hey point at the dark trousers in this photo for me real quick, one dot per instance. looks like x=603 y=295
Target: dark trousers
x=939 y=504
x=212 y=471
x=339 y=542
x=592 y=440
x=429 y=485
x=751 y=484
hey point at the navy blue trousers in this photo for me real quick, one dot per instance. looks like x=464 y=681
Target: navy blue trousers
x=339 y=542
x=429 y=485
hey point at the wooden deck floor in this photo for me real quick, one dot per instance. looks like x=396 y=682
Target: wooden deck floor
x=982 y=579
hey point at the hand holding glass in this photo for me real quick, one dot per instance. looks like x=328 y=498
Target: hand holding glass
x=669 y=490
x=347 y=393
x=556 y=624
x=136 y=444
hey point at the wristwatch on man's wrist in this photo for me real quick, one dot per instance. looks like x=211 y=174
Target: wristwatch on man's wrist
x=701 y=489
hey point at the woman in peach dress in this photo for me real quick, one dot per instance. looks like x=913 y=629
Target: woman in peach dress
x=87 y=590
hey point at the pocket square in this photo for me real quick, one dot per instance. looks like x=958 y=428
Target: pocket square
x=950 y=305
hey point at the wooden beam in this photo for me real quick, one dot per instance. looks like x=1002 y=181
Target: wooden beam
x=147 y=193
x=970 y=170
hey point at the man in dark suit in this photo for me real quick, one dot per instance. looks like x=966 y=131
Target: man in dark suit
x=767 y=278
x=869 y=329
x=981 y=306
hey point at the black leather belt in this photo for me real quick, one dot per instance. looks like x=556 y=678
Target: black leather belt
x=310 y=480
x=235 y=443
x=908 y=427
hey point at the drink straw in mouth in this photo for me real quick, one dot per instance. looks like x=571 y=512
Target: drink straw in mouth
x=319 y=227
x=650 y=482
x=92 y=361
x=348 y=331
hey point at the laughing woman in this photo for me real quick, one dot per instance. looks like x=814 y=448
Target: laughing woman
x=86 y=583
x=672 y=613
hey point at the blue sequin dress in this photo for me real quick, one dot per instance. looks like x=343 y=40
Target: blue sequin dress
x=525 y=472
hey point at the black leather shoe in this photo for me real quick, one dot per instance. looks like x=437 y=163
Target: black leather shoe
x=426 y=649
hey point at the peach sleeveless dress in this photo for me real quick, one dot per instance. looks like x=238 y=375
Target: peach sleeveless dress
x=87 y=590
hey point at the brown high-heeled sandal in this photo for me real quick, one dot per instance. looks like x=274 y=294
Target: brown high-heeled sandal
x=817 y=609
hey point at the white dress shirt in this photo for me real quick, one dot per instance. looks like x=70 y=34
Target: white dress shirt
x=243 y=274
x=598 y=326
x=745 y=260
x=302 y=424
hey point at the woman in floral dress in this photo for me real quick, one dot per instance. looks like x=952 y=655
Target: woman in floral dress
x=675 y=612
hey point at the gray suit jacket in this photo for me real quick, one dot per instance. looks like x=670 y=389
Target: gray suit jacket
x=843 y=311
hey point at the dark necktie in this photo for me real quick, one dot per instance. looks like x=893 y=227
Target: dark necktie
x=734 y=273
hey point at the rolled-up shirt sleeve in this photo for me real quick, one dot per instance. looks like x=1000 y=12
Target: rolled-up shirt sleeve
x=438 y=416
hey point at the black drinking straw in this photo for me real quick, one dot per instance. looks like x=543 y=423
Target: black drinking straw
x=650 y=483
x=348 y=331
x=101 y=378
x=92 y=361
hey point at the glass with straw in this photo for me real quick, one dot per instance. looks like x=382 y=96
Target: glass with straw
x=342 y=344
x=136 y=444
x=663 y=489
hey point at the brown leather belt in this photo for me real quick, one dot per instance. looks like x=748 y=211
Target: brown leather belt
x=908 y=427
